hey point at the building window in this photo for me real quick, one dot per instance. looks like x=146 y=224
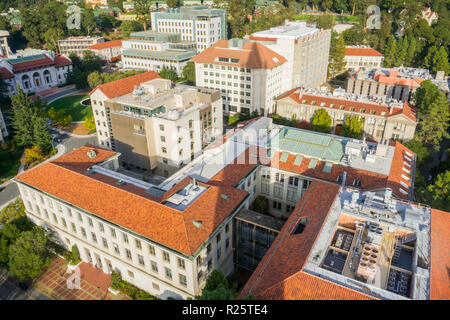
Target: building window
x=138 y=244
x=154 y=266
x=277 y=192
x=105 y=243
x=90 y=222
x=113 y=233
x=168 y=273
x=163 y=139
x=227 y=243
x=94 y=237
x=277 y=205
x=125 y=237
x=128 y=253
x=141 y=260
x=151 y=249
x=83 y=232
x=166 y=256
x=100 y=226
x=74 y=228
x=219 y=252
x=181 y=263
x=293 y=181
x=183 y=280
x=161 y=127
x=116 y=248
x=130 y=274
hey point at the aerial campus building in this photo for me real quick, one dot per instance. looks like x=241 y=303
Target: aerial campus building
x=338 y=222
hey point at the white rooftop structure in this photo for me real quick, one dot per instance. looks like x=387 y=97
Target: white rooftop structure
x=290 y=30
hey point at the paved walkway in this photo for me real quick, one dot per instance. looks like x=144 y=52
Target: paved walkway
x=93 y=285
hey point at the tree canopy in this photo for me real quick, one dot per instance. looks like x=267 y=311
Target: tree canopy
x=216 y=288
x=321 y=121
x=353 y=127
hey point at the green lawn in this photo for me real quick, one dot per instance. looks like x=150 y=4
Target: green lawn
x=73 y=107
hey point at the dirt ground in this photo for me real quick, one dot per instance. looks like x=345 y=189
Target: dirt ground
x=75 y=128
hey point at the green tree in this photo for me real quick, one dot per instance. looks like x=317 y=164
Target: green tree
x=440 y=191
x=422 y=152
x=442 y=63
x=433 y=114
x=172 y=3
x=30 y=21
x=337 y=54
x=88 y=21
x=169 y=73
x=28 y=122
x=216 y=288
x=261 y=205
x=325 y=21
x=189 y=72
x=51 y=37
x=29 y=255
x=400 y=54
x=353 y=127
x=321 y=121
x=89 y=123
x=142 y=10
x=128 y=27
x=13 y=211
x=94 y=79
x=90 y=61
x=411 y=52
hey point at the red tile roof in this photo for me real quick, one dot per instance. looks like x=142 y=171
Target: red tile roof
x=279 y=274
x=133 y=209
x=61 y=61
x=362 y=52
x=397 y=174
x=368 y=107
x=5 y=73
x=123 y=86
x=107 y=44
x=38 y=63
x=440 y=255
x=253 y=55
x=393 y=79
x=304 y=286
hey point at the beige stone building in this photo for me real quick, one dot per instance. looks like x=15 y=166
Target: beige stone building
x=393 y=120
x=156 y=127
x=77 y=44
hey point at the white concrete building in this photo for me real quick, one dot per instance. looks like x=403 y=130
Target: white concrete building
x=77 y=44
x=306 y=50
x=198 y=24
x=248 y=74
x=154 y=126
x=362 y=57
x=35 y=73
x=166 y=247
x=4 y=47
x=150 y=50
x=107 y=50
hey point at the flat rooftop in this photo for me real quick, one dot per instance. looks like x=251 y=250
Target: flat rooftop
x=289 y=30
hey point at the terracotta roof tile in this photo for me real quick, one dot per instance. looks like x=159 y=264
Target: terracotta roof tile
x=337 y=103
x=304 y=286
x=61 y=61
x=38 y=63
x=362 y=52
x=440 y=255
x=5 y=73
x=253 y=55
x=107 y=44
x=123 y=86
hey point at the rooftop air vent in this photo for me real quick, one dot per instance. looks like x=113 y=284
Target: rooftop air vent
x=224 y=196
x=90 y=170
x=120 y=182
x=91 y=154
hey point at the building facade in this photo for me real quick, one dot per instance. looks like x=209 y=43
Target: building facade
x=156 y=261
x=248 y=75
x=77 y=45
x=397 y=83
x=382 y=120
x=151 y=50
x=198 y=24
x=107 y=50
x=306 y=50
x=35 y=73
x=156 y=127
x=362 y=57
x=5 y=51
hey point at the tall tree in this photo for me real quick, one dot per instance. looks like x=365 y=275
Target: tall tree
x=142 y=10
x=440 y=191
x=389 y=52
x=337 y=54
x=216 y=288
x=321 y=121
x=353 y=127
x=29 y=255
x=189 y=72
x=172 y=3
x=400 y=54
x=411 y=52
x=433 y=114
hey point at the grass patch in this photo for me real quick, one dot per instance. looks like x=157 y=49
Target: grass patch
x=72 y=105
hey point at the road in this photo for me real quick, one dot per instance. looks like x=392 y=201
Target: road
x=9 y=290
x=11 y=191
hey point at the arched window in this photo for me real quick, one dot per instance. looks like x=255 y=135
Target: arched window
x=47 y=76
x=37 y=79
x=26 y=81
